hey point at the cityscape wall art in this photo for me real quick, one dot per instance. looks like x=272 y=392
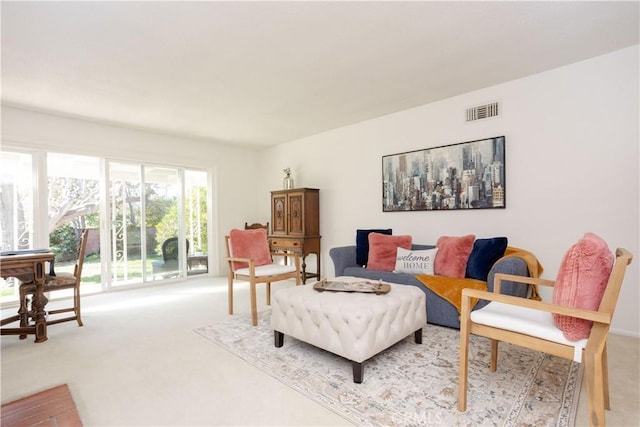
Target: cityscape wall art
x=467 y=175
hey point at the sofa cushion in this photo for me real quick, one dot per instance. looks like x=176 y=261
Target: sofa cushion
x=453 y=253
x=383 y=249
x=249 y=244
x=415 y=262
x=581 y=282
x=484 y=254
x=362 y=243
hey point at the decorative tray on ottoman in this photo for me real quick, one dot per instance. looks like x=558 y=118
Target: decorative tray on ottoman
x=359 y=286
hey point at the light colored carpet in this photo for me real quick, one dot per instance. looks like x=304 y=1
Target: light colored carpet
x=412 y=384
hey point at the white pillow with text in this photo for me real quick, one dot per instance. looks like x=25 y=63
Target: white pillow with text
x=415 y=261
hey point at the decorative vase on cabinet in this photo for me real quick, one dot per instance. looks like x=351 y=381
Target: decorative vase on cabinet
x=295 y=224
x=287 y=183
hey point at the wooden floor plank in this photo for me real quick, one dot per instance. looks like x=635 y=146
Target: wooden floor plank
x=53 y=407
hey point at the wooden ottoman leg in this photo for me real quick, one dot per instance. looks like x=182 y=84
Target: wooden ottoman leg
x=417 y=336
x=278 y=338
x=357 y=372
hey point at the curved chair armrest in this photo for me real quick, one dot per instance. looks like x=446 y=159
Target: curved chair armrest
x=343 y=257
x=250 y=263
x=239 y=259
x=595 y=316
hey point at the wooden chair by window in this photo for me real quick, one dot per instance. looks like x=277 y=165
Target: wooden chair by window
x=59 y=282
x=250 y=259
x=529 y=323
x=256 y=225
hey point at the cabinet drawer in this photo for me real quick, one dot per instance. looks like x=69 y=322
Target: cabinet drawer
x=284 y=243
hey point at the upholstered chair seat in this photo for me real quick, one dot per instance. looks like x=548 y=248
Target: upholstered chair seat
x=250 y=259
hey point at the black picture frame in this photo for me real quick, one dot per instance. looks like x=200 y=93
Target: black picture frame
x=463 y=176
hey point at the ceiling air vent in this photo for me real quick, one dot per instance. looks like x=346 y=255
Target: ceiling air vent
x=483 y=111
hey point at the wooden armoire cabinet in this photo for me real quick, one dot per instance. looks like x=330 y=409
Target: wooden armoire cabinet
x=295 y=224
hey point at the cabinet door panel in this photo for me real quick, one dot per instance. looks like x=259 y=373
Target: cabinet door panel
x=296 y=214
x=279 y=214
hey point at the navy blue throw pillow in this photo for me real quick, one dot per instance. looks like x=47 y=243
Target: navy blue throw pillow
x=484 y=254
x=362 y=244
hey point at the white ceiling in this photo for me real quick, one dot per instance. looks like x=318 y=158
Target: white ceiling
x=262 y=73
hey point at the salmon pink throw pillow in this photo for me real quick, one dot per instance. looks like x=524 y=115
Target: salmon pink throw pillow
x=249 y=244
x=581 y=282
x=383 y=248
x=453 y=254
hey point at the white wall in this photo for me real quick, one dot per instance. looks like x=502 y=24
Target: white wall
x=572 y=166
x=233 y=169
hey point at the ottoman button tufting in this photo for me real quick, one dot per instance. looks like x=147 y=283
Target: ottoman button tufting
x=356 y=326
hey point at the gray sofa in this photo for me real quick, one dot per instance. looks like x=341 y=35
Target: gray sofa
x=439 y=311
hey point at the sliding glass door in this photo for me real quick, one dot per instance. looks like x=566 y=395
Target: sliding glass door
x=73 y=200
x=125 y=223
x=162 y=208
x=146 y=222
x=158 y=222
x=17 y=200
x=195 y=214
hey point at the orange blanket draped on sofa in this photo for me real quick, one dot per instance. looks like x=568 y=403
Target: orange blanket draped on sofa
x=450 y=288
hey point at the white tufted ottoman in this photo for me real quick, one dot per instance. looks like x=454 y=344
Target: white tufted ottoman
x=353 y=325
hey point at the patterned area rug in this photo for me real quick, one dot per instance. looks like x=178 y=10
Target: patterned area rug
x=415 y=385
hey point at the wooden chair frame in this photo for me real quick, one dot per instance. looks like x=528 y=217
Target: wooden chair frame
x=256 y=225
x=594 y=355
x=51 y=285
x=254 y=279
